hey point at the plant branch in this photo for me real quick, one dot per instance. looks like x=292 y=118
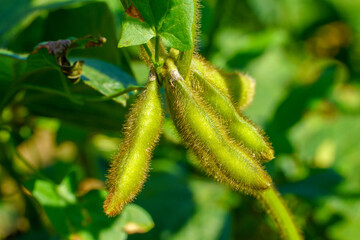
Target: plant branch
x=155 y=61
x=149 y=53
x=157 y=43
x=278 y=211
x=109 y=97
x=68 y=92
x=80 y=98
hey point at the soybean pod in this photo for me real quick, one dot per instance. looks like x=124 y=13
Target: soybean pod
x=238 y=86
x=204 y=134
x=248 y=137
x=130 y=166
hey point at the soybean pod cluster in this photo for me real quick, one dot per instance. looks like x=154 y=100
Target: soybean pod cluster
x=206 y=112
x=205 y=105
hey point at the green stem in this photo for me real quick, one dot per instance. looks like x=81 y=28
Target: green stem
x=109 y=97
x=68 y=92
x=157 y=44
x=80 y=98
x=278 y=211
x=149 y=53
x=155 y=62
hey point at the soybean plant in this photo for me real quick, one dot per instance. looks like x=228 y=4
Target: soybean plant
x=205 y=105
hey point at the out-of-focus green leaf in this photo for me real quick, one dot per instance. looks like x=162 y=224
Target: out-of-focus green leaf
x=245 y=47
x=195 y=209
x=136 y=219
x=83 y=216
x=297 y=102
x=12 y=66
x=104 y=116
x=17 y=14
x=319 y=184
x=100 y=76
x=55 y=206
x=147 y=19
x=60 y=50
x=312 y=136
x=295 y=15
x=213 y=203
x=272 y=72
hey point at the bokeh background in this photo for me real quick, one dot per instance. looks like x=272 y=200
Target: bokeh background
x=305 y=57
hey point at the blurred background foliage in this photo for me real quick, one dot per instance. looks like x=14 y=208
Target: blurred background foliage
x=54 y=152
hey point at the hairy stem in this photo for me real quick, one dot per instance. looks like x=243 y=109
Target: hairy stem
x=278 y=211
x=149 y=53
x=157 y=44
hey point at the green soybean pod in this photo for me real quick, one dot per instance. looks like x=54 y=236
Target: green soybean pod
x=131 y=164
x=207 y=138
x=238 y=86
x=248 y=137
x=241 y=88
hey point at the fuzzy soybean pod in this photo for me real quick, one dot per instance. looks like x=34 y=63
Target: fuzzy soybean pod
x=206 y=137
x=248 y=137
x=239 y=86
x=130 y=166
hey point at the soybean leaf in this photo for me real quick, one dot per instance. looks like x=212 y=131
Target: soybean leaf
x=146 y=19
x=136 y=220
x=12 y=65
x=103 y=116
x=100 y=78
x=107 y=78
x=16 y=14
x=202 y=207
x=134 y=32
x=60 y=49
x=83 y=216
x=103 y=77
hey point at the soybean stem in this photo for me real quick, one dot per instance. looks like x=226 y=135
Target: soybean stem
x=80 y=98
x=149 y=53
x=109 y=97
x=278 y=211
x=68 y=92
x=157 y=42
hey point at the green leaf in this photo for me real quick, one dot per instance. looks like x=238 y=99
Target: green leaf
x=102 y=116
x=16 y=14
x=11 y=66
x=178 y=33
x=160 y=18
x=107 y=79
x=60 y=49
x=50 y=198
x=134 y=32
x=83 y=217
x=184 y=209
x=136 y=219
x=100 y=79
